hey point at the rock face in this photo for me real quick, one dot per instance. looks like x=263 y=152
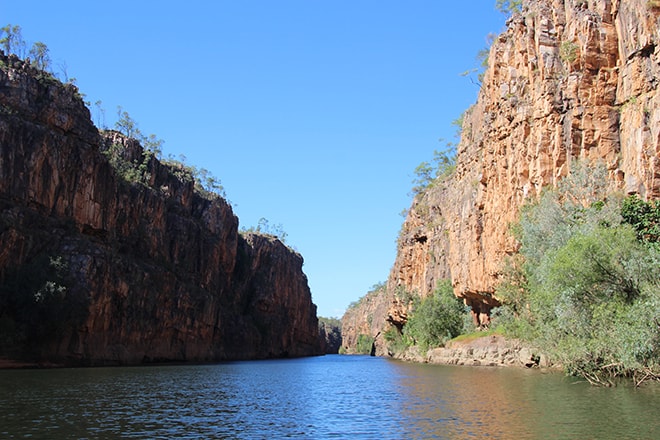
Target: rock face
x=95 y=269
x=330 y=335
x=568 y=80
x=367 y=319
x=487 y=351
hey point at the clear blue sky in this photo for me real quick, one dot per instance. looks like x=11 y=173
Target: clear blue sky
x=313 y=114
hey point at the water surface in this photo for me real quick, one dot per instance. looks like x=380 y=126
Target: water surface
x=322 y=397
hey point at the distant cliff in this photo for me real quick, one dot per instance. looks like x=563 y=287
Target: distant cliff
x=567 y=80
x=330 y=335
x=98 y=269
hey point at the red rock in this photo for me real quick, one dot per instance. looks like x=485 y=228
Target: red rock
x=566 y=81
x=154 y=271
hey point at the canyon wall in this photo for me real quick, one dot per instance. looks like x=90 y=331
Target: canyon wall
x=567 y=80
x=97 y=269
x=330 y=335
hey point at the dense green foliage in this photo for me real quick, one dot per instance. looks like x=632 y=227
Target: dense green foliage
x=365 y=344
x=644 y=217
x=586 y=290
x=136 y=171
x=435 y=319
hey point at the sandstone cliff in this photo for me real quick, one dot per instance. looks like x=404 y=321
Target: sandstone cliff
x=366 y=320
x=95 y=269
x=567 y=80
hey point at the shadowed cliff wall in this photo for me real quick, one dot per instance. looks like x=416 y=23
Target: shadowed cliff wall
x=95 y=269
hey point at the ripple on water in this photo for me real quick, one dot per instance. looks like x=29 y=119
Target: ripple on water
x=324 y=397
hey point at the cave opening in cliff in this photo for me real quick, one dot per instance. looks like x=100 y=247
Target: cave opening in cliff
x=420 y=239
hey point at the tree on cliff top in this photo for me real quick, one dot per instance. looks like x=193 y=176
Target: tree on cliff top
x=40 y=56
x=266 y=228
x=12 y=40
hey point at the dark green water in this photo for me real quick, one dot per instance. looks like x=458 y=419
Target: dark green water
x=324 y=397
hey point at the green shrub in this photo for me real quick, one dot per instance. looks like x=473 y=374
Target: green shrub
x=131 y=171
x=568 y=51
x=436 y=319
x=364 y=344
x=396 y=343
x=643 y=216
x=586 y=289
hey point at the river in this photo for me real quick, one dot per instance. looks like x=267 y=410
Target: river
x=317 y=398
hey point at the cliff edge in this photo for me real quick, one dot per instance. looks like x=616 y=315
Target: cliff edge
x=567 y=80
x=98 y=269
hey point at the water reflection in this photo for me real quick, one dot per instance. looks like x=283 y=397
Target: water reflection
x=327 y=397
x=459 y=402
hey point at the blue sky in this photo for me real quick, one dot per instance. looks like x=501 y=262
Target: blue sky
x=313 y=114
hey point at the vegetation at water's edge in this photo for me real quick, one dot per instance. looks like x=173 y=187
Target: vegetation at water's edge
x=585 y=287
x=436 y=319
x=432 y=321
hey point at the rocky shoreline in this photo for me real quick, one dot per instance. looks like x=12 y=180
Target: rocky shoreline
x=490 y=351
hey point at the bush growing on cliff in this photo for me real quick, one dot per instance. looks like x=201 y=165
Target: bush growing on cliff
x=586 y=290
x=206 y=184
x=364 y=344
x=131 y=171
x=36 y=303
x=442 y=166
x=435 y=319
x=266 y=227
x=508 y=7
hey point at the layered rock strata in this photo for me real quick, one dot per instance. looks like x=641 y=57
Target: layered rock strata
x=98 y=269
x=567 y=80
